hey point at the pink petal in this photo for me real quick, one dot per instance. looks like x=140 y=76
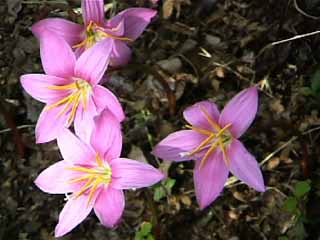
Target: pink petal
x=73 y=213
x=56 y=55
x=177 y=145
x=93 y=10
x=240 y=111
x=69 y=31
x=37 y=86
x=109 y=206
x=73 y=149
x=136 y=20
x=195 y=114
x=128 y=174
x=93 y=63
x=49 y=124
x=55 y=179
x=209 y=180
x=121 y=54
x=244 y=166
x=104 y=98
x=83 y=122
x=106 y=137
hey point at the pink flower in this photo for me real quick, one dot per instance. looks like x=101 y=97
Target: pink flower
x=95 y=175
x=70 y=88
x=213 y=142
x=124 y=28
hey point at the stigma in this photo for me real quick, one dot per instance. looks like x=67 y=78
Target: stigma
x=92 y=178
x=80 y=91
x=95 y=33
x=217 y=138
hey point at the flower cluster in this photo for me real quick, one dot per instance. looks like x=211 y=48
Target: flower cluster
x=85 y=118
x=75 y=58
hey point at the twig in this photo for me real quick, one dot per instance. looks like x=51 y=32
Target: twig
x=232 y=180
x=18 y=127
x=278 y=150
x=295 y=38
x=10 y=123
x=44 y=2
x=303 y=12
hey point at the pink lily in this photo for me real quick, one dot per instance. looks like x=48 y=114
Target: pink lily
x=213 y=142
x=70 y=88
x=122 y=29
x=95 y=175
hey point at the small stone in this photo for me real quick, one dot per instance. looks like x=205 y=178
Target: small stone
x=172 y=65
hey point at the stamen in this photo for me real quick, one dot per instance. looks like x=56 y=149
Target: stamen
x=83 y=169
x=225 y=155
x=107 y=35
x=208 y=153
x=74 y=107
x=62 y=101
x=199 y=130
x=70 y=86
x=94 y=177
x=99 y=160
x=204 y=143
x=85 y=187
x=209 y=119
x=94 y=189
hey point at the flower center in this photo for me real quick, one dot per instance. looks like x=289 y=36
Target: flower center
x=80 y=90
x=219 y=139
x=92 y=177
x=96 y=33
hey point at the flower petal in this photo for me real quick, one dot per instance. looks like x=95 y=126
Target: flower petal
x=55 y=179
x=93 y=63
x=106 y=137
x=136 y=20
x=195 y=114
x=104 y=98
x=49 y=124
x=109 y=206
x=73 y=213
x=37 y=86
x=69 y=31
x=209 y=180
x=240 y=111
x=56 y=55
x=244 y=166
x=128 y=174
x=73 y=149
x=121 y=54
x=93 y=11
x=177 y=145
x=83 y=121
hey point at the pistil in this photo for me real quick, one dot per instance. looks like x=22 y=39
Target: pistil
x=93 y=177
x=214 y=140
x=80 y=90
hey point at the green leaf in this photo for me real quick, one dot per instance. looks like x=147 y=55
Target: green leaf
x=169 y=183
x=162 y=190
x=146 y=228
x=283 y=238
x=290 y=205
x=301 y=189
x=144 y=232
x=315 y=82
